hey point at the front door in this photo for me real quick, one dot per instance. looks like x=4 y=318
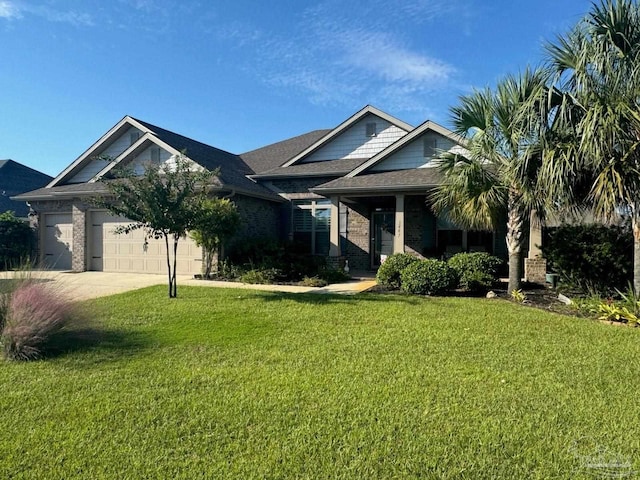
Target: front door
x=382 y=238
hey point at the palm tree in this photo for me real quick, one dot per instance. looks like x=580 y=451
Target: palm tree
x=497 y=174
x=598 y=64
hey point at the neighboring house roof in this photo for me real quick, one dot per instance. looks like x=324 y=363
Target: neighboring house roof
x=394 y=147
x=332 y=134
x=272 y=156
x=313 y=169
x=415 y=179
x=16 y=178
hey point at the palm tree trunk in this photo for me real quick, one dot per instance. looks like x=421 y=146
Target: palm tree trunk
x=635 y=226
x=514 y=244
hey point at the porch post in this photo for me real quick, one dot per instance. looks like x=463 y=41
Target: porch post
x=398 y=238
x=334 y=228
x=535 y=266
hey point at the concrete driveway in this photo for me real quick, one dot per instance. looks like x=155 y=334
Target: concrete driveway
x=87 y=285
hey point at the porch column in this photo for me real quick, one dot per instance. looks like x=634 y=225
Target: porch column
x=398 y=238
x=334 y=228
x=535 y=267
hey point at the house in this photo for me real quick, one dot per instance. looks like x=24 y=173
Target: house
x=16 y=178
x=357 y=192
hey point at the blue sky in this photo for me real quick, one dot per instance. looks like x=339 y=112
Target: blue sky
x=241 y=74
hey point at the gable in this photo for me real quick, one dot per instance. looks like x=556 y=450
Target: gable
x=105 y=154
x=364 y=139
x=418 y=153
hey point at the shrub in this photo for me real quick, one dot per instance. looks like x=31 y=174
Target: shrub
x=476 y=271
x=313 y=282
x=332 y=275
x=389 y=273
x=17 y=239
x=428 y=277
x=32 y=313
x=593 y=258
x=262 y=276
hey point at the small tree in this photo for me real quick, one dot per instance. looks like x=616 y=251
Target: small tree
x=17 y=239
x=164 y=202
x=217 y=221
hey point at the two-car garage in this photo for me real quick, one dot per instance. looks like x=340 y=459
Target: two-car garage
x=111 y=252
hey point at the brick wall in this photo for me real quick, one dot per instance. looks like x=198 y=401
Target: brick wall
x=260 y=218
x=415 y=213
x=358 y=244
x=79 y=221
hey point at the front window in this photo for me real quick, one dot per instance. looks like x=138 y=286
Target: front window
x=311 y=224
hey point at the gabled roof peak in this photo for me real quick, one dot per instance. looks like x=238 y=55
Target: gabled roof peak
x=367 y=109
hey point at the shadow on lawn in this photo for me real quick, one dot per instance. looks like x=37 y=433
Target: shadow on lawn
x=95 y=339
x=333 y=298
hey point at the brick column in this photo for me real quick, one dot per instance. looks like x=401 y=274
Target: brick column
x=79 y=220
x=535 y=267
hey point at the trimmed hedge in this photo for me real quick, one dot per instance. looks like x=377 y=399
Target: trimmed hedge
x=591 y=257
x=389 y=273
x=476 y=271
x=428 y=277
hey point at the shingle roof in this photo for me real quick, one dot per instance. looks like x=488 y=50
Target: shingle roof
x=233 y=169
x=332 y=167
x=272 y=156
x=16 y=178
x=397 y=180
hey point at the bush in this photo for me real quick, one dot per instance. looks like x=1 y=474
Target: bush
x=593 y=258
x=313 y=282
x=30 y=315
x=333 y=275
x=428 y=277
x=17 y=239
x=476 y=271
x=389 y=273
x=261 y=276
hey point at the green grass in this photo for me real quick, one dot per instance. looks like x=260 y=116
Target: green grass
x=245 y=384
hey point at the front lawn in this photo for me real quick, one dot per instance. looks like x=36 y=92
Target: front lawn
x=244 y=384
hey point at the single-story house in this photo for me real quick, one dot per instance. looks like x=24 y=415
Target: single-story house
x=15 y=179
x=357 y=192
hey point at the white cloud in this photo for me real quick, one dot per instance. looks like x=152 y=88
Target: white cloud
x=16 y=10
x=352 y=56
x=9 y=10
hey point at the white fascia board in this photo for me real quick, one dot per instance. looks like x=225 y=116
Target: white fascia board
x=139 y=145
x=344 y=126
x=87 y=155
x=401 y=142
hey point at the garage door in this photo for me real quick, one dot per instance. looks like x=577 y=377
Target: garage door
x=58 y=241
x=110 y=252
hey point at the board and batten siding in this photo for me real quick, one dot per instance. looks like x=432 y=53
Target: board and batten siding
x=355 y=143
x=148 y=156
x=118 y=146
x=412 y=155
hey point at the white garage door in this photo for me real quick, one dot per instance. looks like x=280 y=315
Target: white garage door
x=110 y=252
x=58 y=241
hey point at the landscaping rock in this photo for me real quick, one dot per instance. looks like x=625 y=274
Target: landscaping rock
x=491 y=294
x=564 y=299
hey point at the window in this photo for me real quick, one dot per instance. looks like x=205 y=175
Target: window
x=133 y=137
x=155 y=155
x=311 y=224
x=435 y=144
x=371 y=129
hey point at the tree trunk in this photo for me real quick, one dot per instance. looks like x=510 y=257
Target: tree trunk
x=175 y=264
x=166 y=244
x=635 y=226
x=514 y=244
